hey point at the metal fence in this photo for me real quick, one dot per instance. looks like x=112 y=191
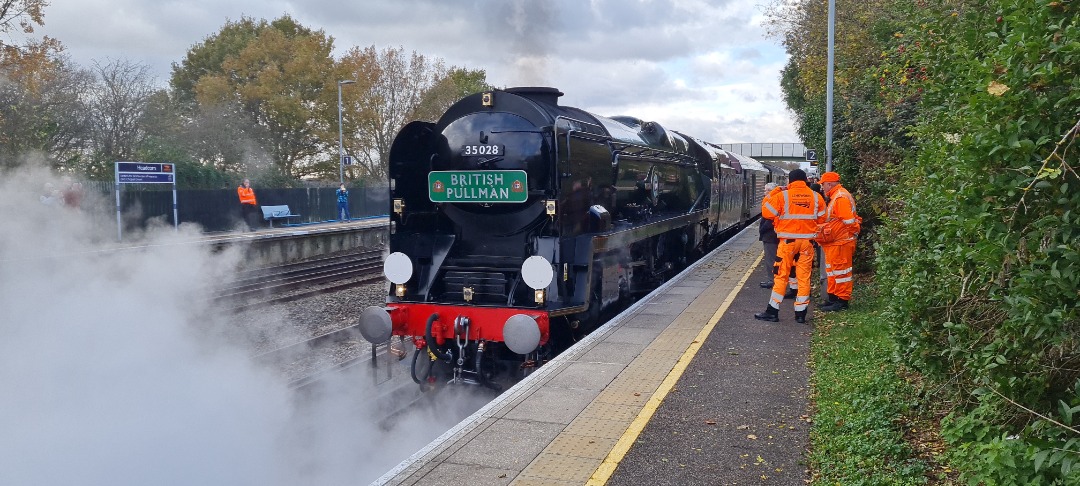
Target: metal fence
x=219 y=209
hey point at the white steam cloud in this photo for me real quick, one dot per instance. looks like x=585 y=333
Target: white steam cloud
x=112 y=372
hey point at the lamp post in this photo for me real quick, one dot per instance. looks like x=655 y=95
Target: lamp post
x=340 y=132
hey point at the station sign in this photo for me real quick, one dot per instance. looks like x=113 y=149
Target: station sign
x=478 y=186
x=142 y=173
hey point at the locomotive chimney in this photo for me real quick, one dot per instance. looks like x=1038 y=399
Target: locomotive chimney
x=538 y=94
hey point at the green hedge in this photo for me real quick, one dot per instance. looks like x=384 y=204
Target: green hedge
x=983 y=263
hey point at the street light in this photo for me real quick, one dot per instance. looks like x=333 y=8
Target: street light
x=340 y=134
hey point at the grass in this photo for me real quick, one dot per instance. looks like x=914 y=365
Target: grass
x=865 y=432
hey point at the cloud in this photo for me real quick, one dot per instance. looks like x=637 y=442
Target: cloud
x=606 y=53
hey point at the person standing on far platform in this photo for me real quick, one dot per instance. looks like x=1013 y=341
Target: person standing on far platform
x=50 y=196
x=249 y=209
x=837 y=236
x=795 y=212
x=343 y=203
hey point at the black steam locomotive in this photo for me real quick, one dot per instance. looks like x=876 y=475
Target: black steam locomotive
x=517 y=223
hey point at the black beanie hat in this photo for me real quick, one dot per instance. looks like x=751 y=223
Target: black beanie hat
x=797 y=175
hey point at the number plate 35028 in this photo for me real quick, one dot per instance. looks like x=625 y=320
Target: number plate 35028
x=478 y=150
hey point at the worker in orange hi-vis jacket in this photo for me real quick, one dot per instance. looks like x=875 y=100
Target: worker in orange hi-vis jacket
x=837 y=237
x=248 y=206
x=795 y=212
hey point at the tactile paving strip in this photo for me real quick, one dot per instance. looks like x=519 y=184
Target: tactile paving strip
x=610 y=411
x=560 y=468
x=583 y=446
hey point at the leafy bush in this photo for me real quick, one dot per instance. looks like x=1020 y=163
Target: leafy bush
x=984 y=262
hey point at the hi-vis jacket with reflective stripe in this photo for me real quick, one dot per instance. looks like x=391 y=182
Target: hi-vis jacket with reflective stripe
x=795 y=211
x=841 y=222
x=247 y=195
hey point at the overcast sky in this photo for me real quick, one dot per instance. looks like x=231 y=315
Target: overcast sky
x=703 y=67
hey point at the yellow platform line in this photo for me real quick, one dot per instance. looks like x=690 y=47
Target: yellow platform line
x=618 y=452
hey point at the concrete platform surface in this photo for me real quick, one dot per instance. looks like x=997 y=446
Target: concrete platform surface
x=684 y=388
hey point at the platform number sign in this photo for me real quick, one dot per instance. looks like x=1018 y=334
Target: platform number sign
x=811 y=156
x=346 y=160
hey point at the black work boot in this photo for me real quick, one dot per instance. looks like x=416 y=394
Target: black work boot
x=791 y=293
x=800 y=317
x=830 y=300
x=770 y=314
x=836 y=305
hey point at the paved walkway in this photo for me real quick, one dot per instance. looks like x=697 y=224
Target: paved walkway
x=685 y=388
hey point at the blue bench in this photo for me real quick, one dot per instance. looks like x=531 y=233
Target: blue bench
x=270 y=213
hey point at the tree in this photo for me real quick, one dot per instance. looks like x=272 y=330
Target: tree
x=27 y=72
x=42 y=109
x=22 y=16
x=870 y=134
x=456 y=84
x=401 y=87
x=117 y=107
x=208 y=57
x=279 y=76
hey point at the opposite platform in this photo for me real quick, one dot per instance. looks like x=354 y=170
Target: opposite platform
x=685 y=387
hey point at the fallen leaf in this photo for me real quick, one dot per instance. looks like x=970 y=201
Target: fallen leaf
x=751 y=437
x=997 y=89
x=710 y=422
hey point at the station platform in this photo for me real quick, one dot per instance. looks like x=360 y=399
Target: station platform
x=684 y=388
x=279 y=244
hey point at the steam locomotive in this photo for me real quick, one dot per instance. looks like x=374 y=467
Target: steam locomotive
x=517 y=224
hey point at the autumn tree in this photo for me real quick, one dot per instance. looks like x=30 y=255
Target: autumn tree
x=447 y=90
x=401 y=87
x=869 y=135
x=36 y=85
x=42 y=109
x=279 y=76
x=22 y=16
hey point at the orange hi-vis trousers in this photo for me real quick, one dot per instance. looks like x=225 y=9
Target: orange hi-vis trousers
x=838 y=262
x=785 y=259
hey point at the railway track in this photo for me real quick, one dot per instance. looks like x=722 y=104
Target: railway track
x=286 y=283
x=388 y=390
x=383 y=379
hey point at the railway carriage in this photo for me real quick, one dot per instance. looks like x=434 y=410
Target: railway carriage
x=518 y=224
